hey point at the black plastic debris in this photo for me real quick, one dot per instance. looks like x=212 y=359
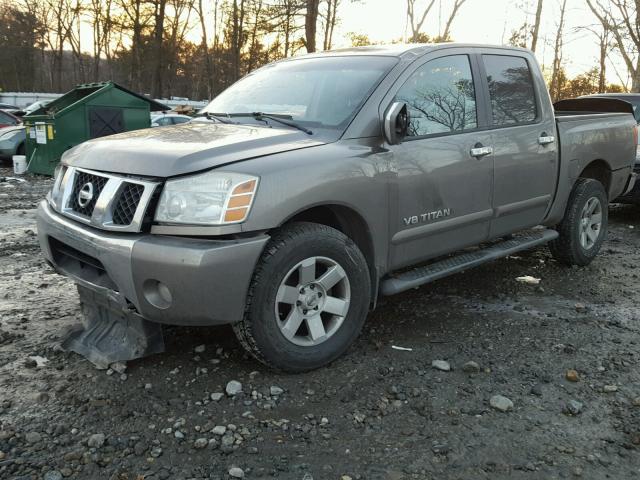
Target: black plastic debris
x=110 y=332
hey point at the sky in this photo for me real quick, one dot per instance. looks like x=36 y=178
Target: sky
x=484 y=21
x=478 y=21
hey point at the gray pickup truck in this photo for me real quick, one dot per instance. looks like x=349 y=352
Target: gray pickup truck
x=320 y=183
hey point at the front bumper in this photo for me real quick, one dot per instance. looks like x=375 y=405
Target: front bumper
x=171 y=280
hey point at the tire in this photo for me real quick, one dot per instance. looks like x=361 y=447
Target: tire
x=276 y=302
x=570 y=248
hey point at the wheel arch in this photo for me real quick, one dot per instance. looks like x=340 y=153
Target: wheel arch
x=599 y=170
x=348 y=221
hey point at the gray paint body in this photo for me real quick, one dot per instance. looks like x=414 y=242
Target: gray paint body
x=521 y=185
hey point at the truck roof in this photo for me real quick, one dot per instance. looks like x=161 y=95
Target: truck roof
x=612 y=94
x=404 y=49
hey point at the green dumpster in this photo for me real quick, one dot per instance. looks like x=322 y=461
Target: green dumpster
x=88 y=111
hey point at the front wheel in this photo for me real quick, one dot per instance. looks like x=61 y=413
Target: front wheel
x=584 y=226
x=308 y=299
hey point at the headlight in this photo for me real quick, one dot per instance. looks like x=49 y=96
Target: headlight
x=54 y=194
x=212 y=198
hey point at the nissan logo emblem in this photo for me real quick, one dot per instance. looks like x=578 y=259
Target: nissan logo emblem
x=85 y=195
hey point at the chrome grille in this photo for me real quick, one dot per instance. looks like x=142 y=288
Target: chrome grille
x=81 y=179
x=127 y=203
x=111 y=202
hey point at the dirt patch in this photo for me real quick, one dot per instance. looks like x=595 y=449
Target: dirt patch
x=377 y=413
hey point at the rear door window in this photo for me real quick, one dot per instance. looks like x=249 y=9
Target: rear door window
x=511 y=90
x=441 y=97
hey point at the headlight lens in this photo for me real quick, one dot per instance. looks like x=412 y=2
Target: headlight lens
x=212 y=198
x=54 y=194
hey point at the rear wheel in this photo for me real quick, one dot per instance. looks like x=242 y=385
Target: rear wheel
x=584 y=226
x=308 y=299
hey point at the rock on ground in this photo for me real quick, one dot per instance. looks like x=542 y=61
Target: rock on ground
x=501 y=403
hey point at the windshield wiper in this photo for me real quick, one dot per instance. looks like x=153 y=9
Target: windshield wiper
x=278 y=117
x=219 y=117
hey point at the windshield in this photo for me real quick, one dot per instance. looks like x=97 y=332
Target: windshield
x=323 y=92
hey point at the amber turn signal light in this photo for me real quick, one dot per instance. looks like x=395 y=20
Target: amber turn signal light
x=235 y=215
x=247 y=187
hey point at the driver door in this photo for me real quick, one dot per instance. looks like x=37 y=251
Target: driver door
x=441 y=199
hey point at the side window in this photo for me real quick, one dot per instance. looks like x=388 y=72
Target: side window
x=178 y=120
x=440 y=97
x=6 y=119
x=511 y=90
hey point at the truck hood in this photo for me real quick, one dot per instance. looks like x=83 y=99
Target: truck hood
x=186 y=148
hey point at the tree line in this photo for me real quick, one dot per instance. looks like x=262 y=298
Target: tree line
x=149 y=46
x=196 y=48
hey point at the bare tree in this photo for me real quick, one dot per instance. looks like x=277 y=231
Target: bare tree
x=330 y=19
x=310 y=25
x=417 y=20
x=136 y=19
x=253 y=43
x=208 y=68
x=444 y=36
x=160 y=7
x=237 y=36
x=536 y=26
x=622 y=18
x=554 y=87
x=603 y=36
x=281 y=17
x=60 y=16
x=74 y=39
x=100 y=14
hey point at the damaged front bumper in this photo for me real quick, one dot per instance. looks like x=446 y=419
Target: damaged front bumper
x=163 y=279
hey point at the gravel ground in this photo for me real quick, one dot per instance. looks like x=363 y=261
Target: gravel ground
x=503 y=380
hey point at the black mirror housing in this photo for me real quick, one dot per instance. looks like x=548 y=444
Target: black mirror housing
x=396 y=123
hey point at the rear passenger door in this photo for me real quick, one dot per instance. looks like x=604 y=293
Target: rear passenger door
x=523 y=139
x=441 y=198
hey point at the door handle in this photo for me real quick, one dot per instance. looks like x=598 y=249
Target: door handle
x=480 y=151
x=545 y=139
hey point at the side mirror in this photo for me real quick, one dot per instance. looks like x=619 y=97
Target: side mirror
x=396 y=123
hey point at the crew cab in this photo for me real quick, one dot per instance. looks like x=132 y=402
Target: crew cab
x=322 y=182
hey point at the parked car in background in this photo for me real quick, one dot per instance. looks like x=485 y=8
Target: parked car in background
x=165 y=119
x=8 y=119
x=12 y=141
x=634 y=99
x=7 y=107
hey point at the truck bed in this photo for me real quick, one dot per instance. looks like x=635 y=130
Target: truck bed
x=585 y=137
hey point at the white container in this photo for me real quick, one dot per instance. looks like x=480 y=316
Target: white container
x=19 y=164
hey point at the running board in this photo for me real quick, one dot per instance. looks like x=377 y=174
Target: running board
x=443 y=268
